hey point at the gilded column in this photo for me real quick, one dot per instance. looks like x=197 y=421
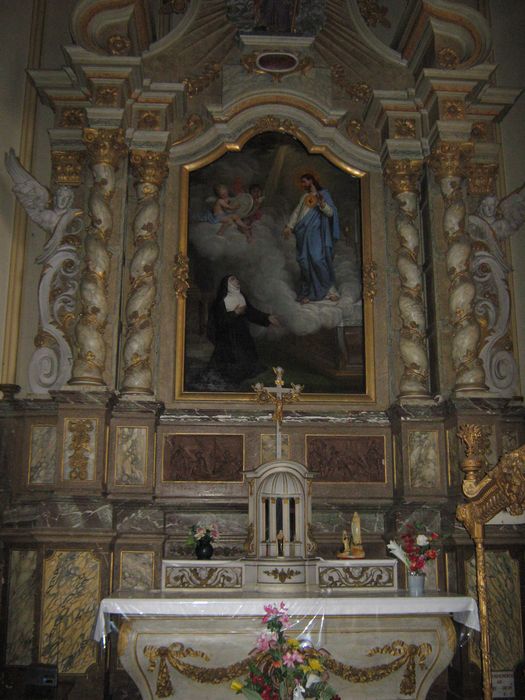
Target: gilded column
x=104 y=147
x=403 y=177
x=150 y=169
x=448 y=161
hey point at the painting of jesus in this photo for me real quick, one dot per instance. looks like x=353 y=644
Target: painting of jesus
x=274 y=241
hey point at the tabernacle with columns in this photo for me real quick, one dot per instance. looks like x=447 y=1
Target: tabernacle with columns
x=260 y=319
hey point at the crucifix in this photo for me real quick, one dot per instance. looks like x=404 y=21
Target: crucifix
x=277 y=395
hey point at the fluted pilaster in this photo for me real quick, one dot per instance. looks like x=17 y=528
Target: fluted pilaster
x=105 y=147
x=449 y=162
x=150 y=169
x=402 y=176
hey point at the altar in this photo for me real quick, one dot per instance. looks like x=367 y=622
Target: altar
x=192 y=644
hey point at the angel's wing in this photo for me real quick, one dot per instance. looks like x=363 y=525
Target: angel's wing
x=33 y=196
x=512 y=209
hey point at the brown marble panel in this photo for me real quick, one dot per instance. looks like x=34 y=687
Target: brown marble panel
x=198 y=457
x=343 y=458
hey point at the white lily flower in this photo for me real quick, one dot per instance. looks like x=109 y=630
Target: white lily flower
x=422 y=540
x=396 y=550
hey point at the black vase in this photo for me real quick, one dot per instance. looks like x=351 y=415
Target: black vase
x=204 y=550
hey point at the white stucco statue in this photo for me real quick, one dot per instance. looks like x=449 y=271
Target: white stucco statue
x=50 y=364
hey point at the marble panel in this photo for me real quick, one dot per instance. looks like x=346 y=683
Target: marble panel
x=139 y=519
x=268 y=452
x=77 y=513
x=423 y=459
x=202 y=457
x=131 y=455
x=489 y=449
x=136 y=570
x=347 y=458
x=80 y=449
x=453 y=470
x=509 y=439
x=504 y=604
x=70 y=597
x=21 y=607
x=42 y=454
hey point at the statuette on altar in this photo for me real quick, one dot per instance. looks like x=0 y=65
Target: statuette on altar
x=352 y=546
x=280 y=543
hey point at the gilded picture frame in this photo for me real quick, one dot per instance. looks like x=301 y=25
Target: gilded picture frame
x=335 y=361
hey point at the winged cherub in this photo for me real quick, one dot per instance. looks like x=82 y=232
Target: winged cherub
x=45 y=211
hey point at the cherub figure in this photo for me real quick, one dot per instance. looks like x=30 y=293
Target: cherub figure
x=35 y=198
x=223 y=209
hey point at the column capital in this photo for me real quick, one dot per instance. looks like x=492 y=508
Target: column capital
x=150 y=167
x=105 y=145
x=67 y=167
x=481 y=178
x=403 y=175
x=450 y=158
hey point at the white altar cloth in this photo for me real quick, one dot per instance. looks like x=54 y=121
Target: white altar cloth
x=230 y=604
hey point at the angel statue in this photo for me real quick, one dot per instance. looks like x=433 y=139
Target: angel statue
x=492 y=223
x=50 y=364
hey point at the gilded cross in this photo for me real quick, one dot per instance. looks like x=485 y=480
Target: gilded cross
x=277 y=395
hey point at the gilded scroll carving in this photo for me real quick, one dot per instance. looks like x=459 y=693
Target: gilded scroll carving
x=203 y=577
x=150 y=169
x=448 y=160
x=407 y=655
x=356 y=577
x=403 y=178
x=105 y=148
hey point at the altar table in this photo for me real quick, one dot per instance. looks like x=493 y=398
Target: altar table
x=378 y=646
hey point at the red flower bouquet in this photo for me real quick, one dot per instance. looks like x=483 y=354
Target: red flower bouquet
x=418 y=545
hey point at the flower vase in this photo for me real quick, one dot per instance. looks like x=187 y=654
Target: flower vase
x=416 y=584
x=203 y=550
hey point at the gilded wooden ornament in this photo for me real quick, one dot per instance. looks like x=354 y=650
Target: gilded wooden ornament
x=447 y=57
x=180 y=275
x=105 y=145
x=354 y=130
x=149 y=166
x=67 y=167
x=370 y=280
x=146 y=119
x=193 y=126
x=503 y=488
x=118 y=45
x=407 y=655
x=481 y=178
x=81 y=452
x=106 y=96
x=72 y=117
x=357 y=92
x=373 y=13
x=282 y=575
x=453 y=109
x=250 y=63
x=272 y=123
x=195 y=85
x=404 y=128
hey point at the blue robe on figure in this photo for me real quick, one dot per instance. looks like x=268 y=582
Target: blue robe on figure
x=316 y=229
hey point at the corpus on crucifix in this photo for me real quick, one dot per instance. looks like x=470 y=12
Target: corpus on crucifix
x=277 y=395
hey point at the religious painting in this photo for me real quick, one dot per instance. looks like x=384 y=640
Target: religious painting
x=192 y=457
x=274 y=241
x=131 y=455
x=344 y=458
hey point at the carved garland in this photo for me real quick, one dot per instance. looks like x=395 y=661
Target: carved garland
x=408 y=655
